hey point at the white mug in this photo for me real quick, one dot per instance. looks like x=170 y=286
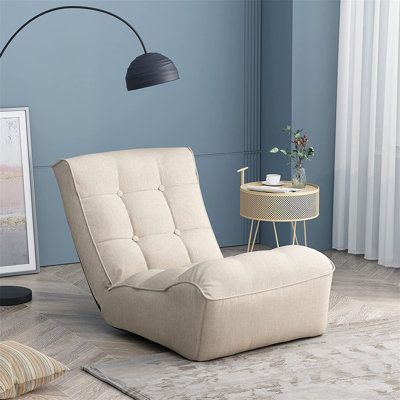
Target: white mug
x=272 y=179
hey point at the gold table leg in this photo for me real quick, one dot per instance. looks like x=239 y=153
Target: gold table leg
x=294 y=227
x=252 y=237
x=293 y=233
x=276 y=234
x=250 y=234
x=295 y=240
x=255 y=235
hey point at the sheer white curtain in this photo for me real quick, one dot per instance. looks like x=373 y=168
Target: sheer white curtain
x=366 y=216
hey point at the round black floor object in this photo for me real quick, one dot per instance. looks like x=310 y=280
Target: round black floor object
x=13 y=295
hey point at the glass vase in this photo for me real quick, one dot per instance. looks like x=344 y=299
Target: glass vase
x=298 y=176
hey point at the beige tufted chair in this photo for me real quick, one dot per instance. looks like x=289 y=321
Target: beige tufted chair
x=154 y=266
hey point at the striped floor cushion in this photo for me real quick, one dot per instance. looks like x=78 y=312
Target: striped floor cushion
x=23 y=369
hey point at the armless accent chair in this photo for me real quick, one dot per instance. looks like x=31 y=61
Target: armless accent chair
x=155 y=269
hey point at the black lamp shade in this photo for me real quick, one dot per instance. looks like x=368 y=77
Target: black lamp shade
x=150 y=69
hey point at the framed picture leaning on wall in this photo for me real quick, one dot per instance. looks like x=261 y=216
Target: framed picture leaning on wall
x=18 y=238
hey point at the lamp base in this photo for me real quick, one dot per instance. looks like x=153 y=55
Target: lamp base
x=13 y=295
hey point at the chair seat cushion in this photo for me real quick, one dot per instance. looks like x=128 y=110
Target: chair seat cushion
x=221 y=307
x=240 y=275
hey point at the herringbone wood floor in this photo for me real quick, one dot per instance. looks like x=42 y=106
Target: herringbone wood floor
x=63 y=321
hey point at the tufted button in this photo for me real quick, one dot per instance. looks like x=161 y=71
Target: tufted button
x=119 y=193
x=161 y=188
x=177 y=232
x=135 y=238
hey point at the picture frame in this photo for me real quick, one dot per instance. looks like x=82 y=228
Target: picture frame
x=18 y=234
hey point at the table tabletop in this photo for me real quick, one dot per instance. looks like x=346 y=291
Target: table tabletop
x=310 y=188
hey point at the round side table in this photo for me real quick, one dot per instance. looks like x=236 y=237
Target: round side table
x=291 y=207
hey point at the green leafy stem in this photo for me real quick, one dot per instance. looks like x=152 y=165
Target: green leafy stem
x=300 y=150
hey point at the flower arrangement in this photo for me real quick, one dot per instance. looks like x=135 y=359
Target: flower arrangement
x=299 y=152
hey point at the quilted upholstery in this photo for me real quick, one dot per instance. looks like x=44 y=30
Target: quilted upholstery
x=144 y=209
x=150 y=256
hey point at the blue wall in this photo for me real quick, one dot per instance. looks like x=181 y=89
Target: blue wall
x=68 y=68
x=299 y=70
x=276 y=96
x=247 y=69
x=314 y=79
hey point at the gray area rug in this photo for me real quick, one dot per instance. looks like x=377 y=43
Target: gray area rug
x=357 y=359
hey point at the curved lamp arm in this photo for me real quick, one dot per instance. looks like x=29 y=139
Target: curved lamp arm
x=148 y=69
x=76 y=7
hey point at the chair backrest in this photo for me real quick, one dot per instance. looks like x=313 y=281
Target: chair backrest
x=134 y=210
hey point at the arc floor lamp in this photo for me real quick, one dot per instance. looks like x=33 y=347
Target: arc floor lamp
x=146 y=70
